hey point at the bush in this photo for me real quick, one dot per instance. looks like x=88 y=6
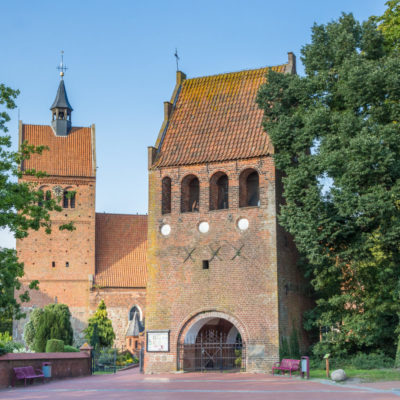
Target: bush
x=31 y=327
x=70 y=349
x=100 y=332
x=54 y=346
x=372 y=361
x=357 y=361
x=52 y=323
x=7 y=345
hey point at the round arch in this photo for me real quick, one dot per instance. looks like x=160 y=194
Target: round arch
x=189 y=329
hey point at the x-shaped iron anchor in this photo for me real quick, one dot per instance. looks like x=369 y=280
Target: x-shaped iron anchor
x=238 y=252
x=189 y=254
x=215 y=253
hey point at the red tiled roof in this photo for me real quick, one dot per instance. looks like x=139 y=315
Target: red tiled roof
x=67 y=155
x=216 y=118
x=121 y=245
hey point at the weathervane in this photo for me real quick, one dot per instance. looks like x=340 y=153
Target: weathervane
x=177 y=59
x=62 y=68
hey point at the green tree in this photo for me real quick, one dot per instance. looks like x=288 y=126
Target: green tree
x=336 y=137
x=100 y=325
x=52 y=323
x=21 y=210
x=389 y=25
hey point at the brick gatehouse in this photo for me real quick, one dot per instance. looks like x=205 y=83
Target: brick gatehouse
x=209 y=271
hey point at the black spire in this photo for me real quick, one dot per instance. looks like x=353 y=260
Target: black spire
x=61 y=109
x=61 y=100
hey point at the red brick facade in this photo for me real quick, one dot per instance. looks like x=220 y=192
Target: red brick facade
x=246 y=275
x=103 y=258
x=191 y=263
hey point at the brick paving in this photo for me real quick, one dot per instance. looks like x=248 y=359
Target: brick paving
x=132 y=385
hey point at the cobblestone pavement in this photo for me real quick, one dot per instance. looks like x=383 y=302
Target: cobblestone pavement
x=132 y=385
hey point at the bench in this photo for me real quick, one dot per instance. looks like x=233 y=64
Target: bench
x=27 y=373
x=286 y=365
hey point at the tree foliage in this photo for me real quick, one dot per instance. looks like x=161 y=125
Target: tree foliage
x=100 y=331
x=336 y=137
x=389 y=25
x=51 y=322
x=21 y=209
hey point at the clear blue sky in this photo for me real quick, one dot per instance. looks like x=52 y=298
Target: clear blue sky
x=122 y=68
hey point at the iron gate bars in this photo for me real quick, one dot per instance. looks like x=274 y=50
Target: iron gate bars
x=211 y=356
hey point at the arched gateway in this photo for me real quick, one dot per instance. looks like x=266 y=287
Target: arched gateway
x=211 y=341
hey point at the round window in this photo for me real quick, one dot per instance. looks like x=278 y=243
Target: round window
x=166 y=230
x=243 y=224
x=204 y=227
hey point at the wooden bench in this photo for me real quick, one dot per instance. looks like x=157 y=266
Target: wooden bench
x=286 y=365
x=26 y=373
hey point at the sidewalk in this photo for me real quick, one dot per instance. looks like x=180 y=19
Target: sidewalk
x=131 y=384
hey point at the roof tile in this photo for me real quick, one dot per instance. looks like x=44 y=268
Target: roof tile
x=216 y=119
x=121 y=245
x=69 y=155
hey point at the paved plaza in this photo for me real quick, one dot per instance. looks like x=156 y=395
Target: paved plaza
x=132 y=385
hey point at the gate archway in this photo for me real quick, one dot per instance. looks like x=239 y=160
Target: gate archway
x=211 y=341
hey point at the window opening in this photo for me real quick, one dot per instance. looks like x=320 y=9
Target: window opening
x=219 y=191
x=53 y=264
x=67 y=264
x=206 y=264
x=190 y=194
x=249 y=191
x=166 y=196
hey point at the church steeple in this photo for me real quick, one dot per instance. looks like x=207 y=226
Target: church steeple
x=61 y=109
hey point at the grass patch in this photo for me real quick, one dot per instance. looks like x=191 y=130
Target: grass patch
x=366 y=375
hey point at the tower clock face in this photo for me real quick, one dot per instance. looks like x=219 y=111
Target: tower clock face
x=57 y=190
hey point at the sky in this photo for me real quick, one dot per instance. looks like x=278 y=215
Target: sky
x=121 y=66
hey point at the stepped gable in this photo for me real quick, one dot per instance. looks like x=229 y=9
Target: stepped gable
x=70 y=155
x=216 y=118
x=121 y=246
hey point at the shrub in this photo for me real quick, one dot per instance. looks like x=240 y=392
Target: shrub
x=31 y=326
x=52 y=323
x=372 y=361
x=54 y=346
x=70 y=349
x=100 y=331
x=7 y=345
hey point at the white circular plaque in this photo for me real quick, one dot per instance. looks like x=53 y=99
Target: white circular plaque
x=166 y=230
x=204 y=227
x=243 y=224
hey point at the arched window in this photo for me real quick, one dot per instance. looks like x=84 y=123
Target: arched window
x=134 y=312
x=166 y=195
x=249 y=191
x=69 y=197
x=44 y=194
x=136 y=325
x=190 y=194
x=219 y=191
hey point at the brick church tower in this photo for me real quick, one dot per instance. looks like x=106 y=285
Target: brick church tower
x=222 y=276
x=63 y=262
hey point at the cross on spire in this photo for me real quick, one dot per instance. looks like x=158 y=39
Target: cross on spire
x=62 y=68
x=177 y=59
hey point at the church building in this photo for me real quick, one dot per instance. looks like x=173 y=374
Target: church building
x=209 y=279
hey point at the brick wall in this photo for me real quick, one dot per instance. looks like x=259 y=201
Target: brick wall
x=64 y=365
x=119 y=301
x=63 y=262
x=243 y=287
